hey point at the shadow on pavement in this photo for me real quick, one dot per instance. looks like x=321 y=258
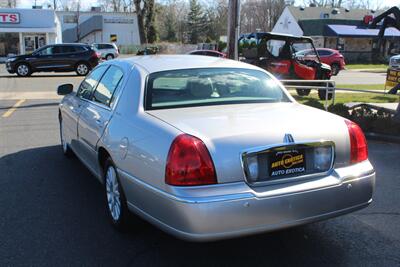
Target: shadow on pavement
x=33 y=105
x=40 y=76
x=52 y=212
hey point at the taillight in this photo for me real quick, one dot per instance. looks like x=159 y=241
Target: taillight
x=358 y=143
x=189 y=162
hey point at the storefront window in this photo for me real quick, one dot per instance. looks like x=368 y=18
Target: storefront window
x=33 y=42
x=9 y=44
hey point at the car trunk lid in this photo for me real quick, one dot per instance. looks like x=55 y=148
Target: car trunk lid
x=230 y=130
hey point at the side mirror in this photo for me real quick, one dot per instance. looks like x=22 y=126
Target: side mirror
x=65 y=89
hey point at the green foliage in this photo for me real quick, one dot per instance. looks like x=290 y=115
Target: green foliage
x=222 y=46
x=314 y=103
x=339 y=109
x=170 y=28
x=375 y=121
x=195 y=22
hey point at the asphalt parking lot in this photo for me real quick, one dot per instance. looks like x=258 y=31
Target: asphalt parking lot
x=52 y=210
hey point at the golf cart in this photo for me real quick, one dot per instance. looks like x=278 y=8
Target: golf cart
x=283 y=55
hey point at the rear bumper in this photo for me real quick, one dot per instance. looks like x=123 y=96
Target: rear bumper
x=232 y=210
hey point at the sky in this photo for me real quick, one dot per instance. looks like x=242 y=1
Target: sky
x=89 y=3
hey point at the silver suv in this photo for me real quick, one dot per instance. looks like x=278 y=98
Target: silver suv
x=107 y=51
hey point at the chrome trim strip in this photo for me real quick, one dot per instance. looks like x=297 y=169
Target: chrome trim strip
x=190 y=200
x=267 y=148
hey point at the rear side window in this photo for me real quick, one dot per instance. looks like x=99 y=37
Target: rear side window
x=107 y=85
x=79 y=49
x=109 y=46
x=89 y=84
x=67 y=49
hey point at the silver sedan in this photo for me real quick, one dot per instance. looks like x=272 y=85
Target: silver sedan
x=208 y=148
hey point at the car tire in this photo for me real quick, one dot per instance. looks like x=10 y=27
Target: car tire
x=116 y=204
x=109 y=57
x=82 y=69
x=303 y=92
x=23 y=70
x=67 y=151
x=335 y=68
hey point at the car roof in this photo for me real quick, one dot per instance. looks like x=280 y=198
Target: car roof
x=156 y=63
x=70 y=44
x=206 y=50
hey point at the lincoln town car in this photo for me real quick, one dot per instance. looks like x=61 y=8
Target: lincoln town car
x=209 y=148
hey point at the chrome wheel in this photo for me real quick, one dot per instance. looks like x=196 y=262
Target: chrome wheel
x=109 y=57
x=23 y=70
x=113 y=193
x=82 y=69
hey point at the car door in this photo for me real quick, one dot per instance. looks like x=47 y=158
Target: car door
x=74 y=104
x=68 y=57
x=96 y=115
x=44 y=58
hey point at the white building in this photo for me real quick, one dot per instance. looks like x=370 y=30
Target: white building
x=24 y=30
x=338 y=28
x=99 y=27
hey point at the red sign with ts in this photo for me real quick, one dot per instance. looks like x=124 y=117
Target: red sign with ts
x=9 y=17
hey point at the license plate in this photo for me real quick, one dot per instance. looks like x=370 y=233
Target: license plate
x=286 y=163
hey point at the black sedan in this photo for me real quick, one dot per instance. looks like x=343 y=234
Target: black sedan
x=57 y=57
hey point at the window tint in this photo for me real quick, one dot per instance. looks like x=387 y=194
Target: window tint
x=50 y=50
x=212 y=54
x=324 y=52
x=109 y=46
x=106 y=87
x=80 y=48
x=215 y=86
x=89 y=84
x=67 y=49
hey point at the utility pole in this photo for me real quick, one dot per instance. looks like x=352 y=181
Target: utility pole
x=233 y=29
x=54 y=4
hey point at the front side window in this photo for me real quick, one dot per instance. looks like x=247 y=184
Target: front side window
x=49 y=50
x=89 y=84
x=213 y=86
x=107 y=85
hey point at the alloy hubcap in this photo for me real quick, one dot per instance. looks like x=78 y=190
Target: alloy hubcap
x=82 y=69
x=113 y=194
x=23 y=70
x=109 y=57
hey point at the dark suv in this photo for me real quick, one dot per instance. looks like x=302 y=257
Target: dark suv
x=57 y=57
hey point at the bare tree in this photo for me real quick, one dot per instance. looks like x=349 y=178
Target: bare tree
x=260 y=14
x=8 y=3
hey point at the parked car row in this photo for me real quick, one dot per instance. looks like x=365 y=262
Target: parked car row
x=80 y=58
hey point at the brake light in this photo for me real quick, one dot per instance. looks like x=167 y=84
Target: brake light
x=189 y=163
x=358 y=143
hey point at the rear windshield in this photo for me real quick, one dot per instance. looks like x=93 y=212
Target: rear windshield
x=213 y=86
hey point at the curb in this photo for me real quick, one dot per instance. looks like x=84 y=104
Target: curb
x=383 y=137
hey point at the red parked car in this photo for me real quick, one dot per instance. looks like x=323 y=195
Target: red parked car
x=211 y=53
x=328 y=56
